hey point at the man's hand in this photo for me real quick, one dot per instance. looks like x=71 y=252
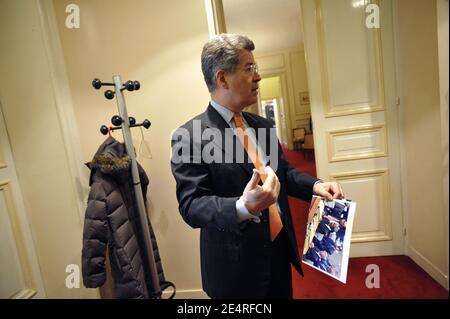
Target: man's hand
x=257 y=198
x=329 y=190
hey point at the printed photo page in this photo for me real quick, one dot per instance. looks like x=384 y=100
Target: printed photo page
x=328 y=236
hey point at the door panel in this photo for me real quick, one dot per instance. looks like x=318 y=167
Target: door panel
x=11 y=280
x=350 y=59
x=19 y=274
x=374 y=214
x=350 y=75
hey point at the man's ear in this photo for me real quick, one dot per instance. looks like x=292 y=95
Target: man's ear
x=221 y=79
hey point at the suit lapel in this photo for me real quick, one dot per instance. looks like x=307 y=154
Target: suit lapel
x=214 y=120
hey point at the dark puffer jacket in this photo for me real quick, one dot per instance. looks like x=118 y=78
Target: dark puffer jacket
x=112 y=218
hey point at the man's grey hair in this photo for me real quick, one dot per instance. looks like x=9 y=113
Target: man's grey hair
x=222 y=53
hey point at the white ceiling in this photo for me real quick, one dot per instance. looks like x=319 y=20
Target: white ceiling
x=271 y=24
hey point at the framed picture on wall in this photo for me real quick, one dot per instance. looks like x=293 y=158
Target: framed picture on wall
x=304 y=98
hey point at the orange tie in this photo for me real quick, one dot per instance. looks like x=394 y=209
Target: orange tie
x=252 y=151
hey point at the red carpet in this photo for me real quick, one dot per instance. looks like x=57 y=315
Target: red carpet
x=400 y=277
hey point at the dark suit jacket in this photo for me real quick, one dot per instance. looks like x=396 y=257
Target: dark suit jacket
x=235 y=257
x=319 y=262
x=323 y=227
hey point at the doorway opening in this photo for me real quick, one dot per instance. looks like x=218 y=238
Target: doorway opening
x=271 y=104
x=276 y=30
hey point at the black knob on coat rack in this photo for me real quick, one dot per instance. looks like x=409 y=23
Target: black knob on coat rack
x=129 y=85
x=146 y=123
x=97 y=84
x=104 y=129
x=132 y=120
x=109 y=94
x=116 y=120
x=137 y=85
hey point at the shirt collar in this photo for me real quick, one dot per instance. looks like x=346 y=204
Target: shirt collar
x=223 y=111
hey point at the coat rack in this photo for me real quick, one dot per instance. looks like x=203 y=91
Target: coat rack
x=119 y=123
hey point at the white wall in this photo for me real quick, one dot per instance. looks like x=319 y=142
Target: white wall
x=420 y=116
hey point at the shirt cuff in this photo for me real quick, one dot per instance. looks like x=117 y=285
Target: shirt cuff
x=243 y=213
x=319 y=181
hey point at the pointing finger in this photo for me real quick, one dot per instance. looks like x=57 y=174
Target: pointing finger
x=253 y=183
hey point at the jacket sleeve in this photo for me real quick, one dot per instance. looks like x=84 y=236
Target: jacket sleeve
x=95 y=238
x=298 y=184
x=198 y=206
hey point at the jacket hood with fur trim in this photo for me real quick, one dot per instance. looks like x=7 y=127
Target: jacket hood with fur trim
x=111 y=159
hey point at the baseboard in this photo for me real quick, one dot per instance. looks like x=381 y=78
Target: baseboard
x=186 y=294
x=431 y=269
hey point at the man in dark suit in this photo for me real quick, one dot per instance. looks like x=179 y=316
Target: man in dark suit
x=339 y=211
x=319 y=258
x=325 y=227
x=219 y=190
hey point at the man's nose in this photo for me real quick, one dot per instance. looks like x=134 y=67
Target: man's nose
x=256 y=77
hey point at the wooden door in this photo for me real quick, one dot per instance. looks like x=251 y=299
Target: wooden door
x=351 y=77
